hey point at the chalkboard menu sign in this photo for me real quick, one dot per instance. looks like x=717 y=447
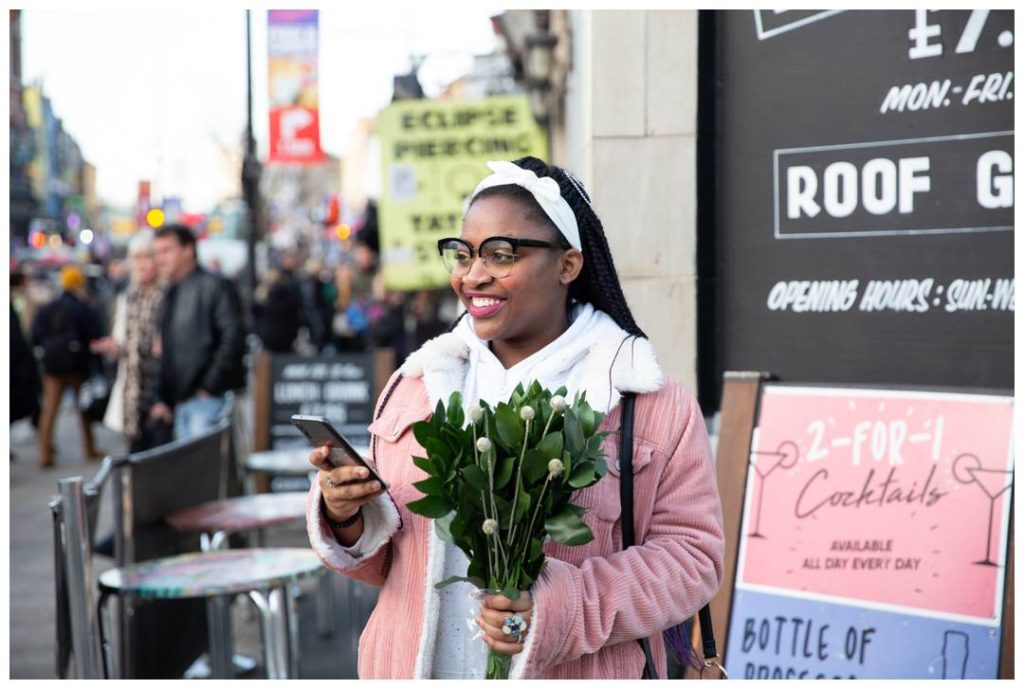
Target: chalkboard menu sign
x=340 y=387
x=864 y=210
x=874 y=536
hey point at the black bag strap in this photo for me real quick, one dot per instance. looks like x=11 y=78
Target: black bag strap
x=707 y=633
x=626 y=498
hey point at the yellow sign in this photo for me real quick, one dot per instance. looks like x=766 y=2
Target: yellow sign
x=433 y=154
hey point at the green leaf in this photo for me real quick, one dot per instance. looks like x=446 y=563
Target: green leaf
x=453 y=438
x=568 y=529
x=431 y=486
x=551 y=445
x=587 y=421
x=576 y=509
x=456 y=416
x=431 y=506
x=423 y=431
x=442 y=526
x=573 y=432
x=469 y=501
x=439 y=417
x=523 y=502
x=536 y=549
x=474 y=476
x=505 y=468
x=600 y=467
x=583 y=475
x=504 y=511
x=425 y=464
x=437 y=448
x=476 y=581
x=510 y=593
x=535 y=465
x=510 y=427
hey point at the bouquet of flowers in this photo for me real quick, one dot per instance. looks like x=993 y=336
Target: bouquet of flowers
x=500 y=481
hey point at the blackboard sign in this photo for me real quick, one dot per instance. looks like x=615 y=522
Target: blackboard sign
x=339 y=387
x=864 y=210
x=874 y=536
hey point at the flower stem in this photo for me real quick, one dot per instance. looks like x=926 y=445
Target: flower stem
x=498 y=665
x=519 y=474
x=491 y=564
x=529 y=531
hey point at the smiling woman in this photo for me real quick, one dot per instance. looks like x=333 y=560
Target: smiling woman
x=543 y=302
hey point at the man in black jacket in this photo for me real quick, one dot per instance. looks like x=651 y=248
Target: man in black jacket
x=202 y=337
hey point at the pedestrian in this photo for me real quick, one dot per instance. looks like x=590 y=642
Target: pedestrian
x=543 y=303
x=359 y=284
x=63 y=329
x=278 y=308
x=202 y=337
x=318 y=296
x=133 y=343
x=25 y=383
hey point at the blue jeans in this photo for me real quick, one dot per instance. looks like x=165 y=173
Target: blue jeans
x=197 y=414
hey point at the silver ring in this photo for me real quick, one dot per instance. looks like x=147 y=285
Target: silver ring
x=330 y=483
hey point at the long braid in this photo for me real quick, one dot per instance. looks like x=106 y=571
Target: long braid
x=598 y=282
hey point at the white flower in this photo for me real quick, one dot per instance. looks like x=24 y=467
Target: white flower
x=555 y=468
x=489 y=527
x=527 y=413
x=558 y=403
x=475 y=412
x=484 y=445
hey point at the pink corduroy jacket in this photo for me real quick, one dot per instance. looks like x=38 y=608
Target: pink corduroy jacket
x=592 y=601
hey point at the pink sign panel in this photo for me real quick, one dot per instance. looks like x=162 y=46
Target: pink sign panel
x=900 y=499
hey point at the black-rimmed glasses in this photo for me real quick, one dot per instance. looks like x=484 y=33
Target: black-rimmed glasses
x=498 y=254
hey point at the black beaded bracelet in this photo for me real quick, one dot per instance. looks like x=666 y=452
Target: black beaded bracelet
x=339 y=525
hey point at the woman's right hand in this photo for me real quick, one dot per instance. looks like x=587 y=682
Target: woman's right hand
x=342 y=496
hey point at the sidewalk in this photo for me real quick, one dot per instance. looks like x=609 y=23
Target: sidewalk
x=32 y=621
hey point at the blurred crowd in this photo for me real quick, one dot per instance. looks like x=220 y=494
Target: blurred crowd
x=154 y=345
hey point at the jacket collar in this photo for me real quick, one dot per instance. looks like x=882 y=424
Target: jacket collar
x=443 y=361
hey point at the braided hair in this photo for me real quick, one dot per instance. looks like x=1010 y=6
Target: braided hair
x=598 y=282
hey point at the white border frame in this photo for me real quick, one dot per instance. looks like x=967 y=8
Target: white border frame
x=776 y=190
x=762 y=34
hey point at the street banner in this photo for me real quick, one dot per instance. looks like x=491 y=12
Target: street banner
x=292 y=41
x=142 y=203
x=433 y=154
x=874 y=536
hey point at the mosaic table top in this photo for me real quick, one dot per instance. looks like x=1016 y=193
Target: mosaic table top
x=221 y=572
x=240 y=513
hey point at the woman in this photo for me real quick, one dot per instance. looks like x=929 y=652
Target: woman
x=543 y=301
x=134 y=341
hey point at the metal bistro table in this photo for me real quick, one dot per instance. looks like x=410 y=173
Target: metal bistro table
x=215 y=520
x=218 y=576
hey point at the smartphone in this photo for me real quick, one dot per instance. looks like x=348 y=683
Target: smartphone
x=319 y=431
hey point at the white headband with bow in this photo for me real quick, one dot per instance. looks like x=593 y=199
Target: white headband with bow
x=544 y=189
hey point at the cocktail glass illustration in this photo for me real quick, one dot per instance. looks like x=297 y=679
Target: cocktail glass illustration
x=955 y=651
x=764 y=463
x=967 y=469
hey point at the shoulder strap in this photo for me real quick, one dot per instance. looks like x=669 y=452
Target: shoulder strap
x=707 y=634
x=626 y=498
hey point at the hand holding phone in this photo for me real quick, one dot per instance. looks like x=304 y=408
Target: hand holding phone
x=347 y=481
